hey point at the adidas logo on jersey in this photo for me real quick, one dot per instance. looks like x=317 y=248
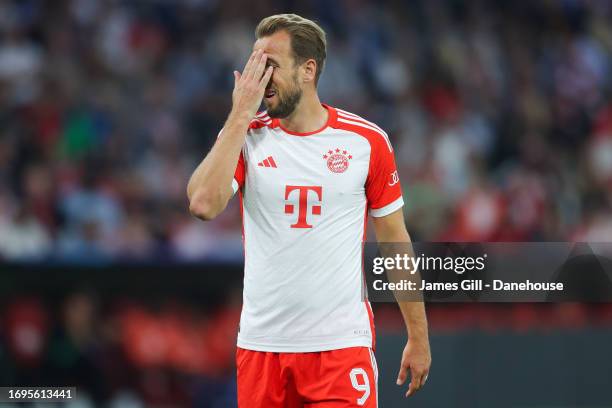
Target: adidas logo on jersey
x=269 y=162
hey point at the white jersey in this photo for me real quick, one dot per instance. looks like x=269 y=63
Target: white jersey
x=304 y=200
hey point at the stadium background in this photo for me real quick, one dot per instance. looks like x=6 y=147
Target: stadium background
x=501 y=119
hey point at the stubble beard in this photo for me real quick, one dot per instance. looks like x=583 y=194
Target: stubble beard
x=286 y=103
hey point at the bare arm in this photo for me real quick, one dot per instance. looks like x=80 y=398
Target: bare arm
x=416 y=356
x=210 y=185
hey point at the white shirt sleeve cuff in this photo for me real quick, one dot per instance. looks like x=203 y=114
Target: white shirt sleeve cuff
x=387 y=209
x=235 y=185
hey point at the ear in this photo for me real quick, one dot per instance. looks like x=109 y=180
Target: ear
x=309 y=70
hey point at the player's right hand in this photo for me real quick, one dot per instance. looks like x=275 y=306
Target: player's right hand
x=249 y=87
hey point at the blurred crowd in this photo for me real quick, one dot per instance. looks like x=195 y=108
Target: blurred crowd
x=123 y=353
x=499 y=113
x=165 y=352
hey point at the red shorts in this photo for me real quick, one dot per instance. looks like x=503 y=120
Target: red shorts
x=328 y=379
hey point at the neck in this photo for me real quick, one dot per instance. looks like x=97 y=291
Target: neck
x=308 y=116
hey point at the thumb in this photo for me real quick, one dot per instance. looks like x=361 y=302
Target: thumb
x=401 y=376
x=236 y=77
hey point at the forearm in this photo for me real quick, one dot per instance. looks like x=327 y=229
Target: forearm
x=209 y=188
x=394 y=239
x=415 y=319
x=413 y=311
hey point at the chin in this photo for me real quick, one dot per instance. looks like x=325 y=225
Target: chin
x=275 y=114
x=272 y=112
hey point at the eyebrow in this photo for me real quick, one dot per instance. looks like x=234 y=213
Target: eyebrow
x=272 y=60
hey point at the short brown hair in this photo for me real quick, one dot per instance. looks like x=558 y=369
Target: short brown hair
x=307 y=37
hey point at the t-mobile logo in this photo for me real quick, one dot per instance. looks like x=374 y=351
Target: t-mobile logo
x=302 y=222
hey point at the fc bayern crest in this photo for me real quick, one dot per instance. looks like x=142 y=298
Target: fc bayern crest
x=337 y=160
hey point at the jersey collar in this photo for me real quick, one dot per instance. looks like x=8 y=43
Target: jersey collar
x=332 y=117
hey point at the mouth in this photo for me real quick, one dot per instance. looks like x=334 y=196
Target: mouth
x=269 y=94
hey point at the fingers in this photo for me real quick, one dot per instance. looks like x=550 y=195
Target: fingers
x=247 y=67
x=417 y=380
x=401 y=376
x=411 y=389
x=254 y=64
x=249 y=86
x=418 y=376
x=266 y=77
x=260 y=66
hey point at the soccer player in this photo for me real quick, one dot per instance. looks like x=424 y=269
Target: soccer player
x=307 y=174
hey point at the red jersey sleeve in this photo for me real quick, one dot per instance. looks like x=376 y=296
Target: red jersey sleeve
x=239 y=174
x=383 y=189
x=260 y=120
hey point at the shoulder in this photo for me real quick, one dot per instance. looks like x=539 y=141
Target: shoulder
x=260 y=120
x=351 y=122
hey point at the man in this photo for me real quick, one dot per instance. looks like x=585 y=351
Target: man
x=307 y=175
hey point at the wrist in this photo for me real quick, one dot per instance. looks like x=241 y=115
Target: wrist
x=418 y=335
x=418 y=339
x=239 y=118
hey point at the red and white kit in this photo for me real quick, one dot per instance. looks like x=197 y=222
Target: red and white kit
x=305 y=199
